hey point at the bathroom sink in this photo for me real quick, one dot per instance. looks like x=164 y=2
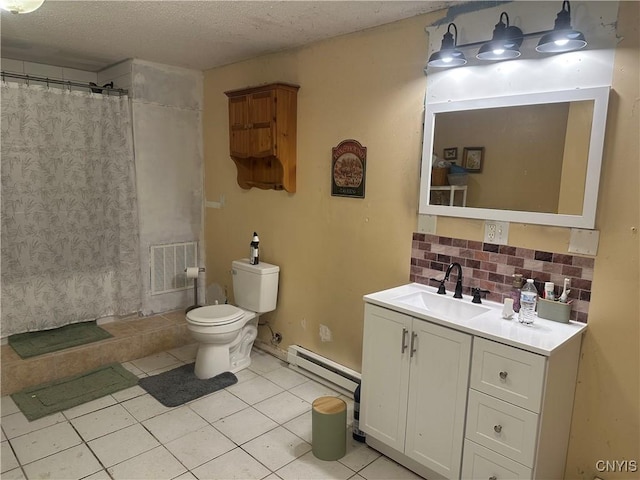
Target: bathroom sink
x=442 y=306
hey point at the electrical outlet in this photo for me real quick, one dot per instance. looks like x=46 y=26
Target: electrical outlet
x=496 y=232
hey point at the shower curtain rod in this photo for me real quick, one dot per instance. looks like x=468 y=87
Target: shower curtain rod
x=28 y=78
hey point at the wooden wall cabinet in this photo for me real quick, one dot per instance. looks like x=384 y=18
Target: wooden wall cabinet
x=262 y=135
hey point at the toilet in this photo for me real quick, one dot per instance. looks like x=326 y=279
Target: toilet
x=226 y=333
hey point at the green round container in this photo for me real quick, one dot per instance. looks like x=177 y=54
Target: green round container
x=329 y=428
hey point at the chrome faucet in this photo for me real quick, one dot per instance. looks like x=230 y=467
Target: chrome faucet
x=458 y=292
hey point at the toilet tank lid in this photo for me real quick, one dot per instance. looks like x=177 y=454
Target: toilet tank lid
x=261 y=268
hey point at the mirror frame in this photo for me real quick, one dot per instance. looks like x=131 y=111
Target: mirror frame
x=600 y=96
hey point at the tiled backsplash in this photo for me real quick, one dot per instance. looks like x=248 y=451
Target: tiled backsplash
x=490 y=267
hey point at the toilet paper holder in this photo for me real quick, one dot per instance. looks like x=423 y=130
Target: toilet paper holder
x=192 y=272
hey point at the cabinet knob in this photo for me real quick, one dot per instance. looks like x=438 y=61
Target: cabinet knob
x=503 y=375
x=497 y=428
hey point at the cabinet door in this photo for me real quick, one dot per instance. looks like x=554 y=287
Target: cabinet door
x=239 y=126
x=437 y=397
x=262 y=113
x=385 y=375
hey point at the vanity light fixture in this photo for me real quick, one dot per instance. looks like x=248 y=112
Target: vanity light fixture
x=20 y=6
x=507 y=39
x=505 y=43
x=448 y=55
x=563 y=38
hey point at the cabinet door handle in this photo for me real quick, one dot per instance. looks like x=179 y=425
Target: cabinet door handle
x=404 y=339
x=413 y=339
x=503 y=375
x=497 y=428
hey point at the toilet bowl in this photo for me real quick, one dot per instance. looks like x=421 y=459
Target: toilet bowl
x=226 y=333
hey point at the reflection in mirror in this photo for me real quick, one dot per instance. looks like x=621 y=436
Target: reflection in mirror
x=540 y=157
x=535 y=156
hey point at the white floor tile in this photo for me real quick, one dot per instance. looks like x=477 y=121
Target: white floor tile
x=15 y=474
x=133 y=369
x=75 y=462
x=186 y=353
x=383 y=469
x=47 y=441
x=236 y=464
x=17 y=424
x=103 y=422
x=245 y=374
x=311 y=390
x=155 y=362
x=309 y=467
x=245 y=425
x=156 y=464
x=129 y=393
x=97 y=404
x=262 y=362
x=2 y=436
x=8 y=406
x=254 y=390
x=144 y=407
x=200 y=446
x=174 y=424
x=285 y=377
x=101 y=475
x=301 y=426
x=283 y=407
x=186 y=476
x=358 y=455
x=217 y=406
x=122 y=445
x=276 y=448
x=8 y=460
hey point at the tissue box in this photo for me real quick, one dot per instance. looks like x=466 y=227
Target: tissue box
x=556 y=311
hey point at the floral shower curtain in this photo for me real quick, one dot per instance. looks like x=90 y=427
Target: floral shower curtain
x=70 y=249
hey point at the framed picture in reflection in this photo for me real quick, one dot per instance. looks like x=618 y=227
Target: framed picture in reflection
x=472 y=159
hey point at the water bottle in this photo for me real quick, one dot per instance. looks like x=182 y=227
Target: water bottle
x=528 y=300
x=254 y=255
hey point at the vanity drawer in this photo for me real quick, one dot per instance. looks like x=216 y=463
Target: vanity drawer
x=508 y=373
x=480 y=463
x=502 y=427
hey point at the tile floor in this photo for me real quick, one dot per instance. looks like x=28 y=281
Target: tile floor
x=258 y=428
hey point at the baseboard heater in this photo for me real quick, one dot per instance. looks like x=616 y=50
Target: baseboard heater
x=322 y=369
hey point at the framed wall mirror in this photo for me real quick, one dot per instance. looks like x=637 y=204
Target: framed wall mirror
x=540 y=154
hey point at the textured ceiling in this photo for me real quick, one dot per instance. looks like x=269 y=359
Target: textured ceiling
x=93 y=34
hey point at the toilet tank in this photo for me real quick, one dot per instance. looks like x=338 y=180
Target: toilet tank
x=255 y=287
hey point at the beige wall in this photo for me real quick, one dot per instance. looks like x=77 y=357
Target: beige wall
x=369 y=86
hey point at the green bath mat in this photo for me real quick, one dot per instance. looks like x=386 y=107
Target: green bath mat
x=51 y=397
x=31 y=344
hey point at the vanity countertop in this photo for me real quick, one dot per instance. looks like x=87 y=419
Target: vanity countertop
x=543 y=337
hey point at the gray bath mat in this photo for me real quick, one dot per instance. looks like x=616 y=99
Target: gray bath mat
x=180 y=385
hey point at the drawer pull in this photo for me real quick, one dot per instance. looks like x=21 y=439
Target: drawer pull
x=497 y=428
x=503 y=375
x=404 y=339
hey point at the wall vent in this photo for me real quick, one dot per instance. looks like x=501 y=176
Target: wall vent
x=168 y=263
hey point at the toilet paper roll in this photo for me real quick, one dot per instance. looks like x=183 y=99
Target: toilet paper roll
x=192 y=272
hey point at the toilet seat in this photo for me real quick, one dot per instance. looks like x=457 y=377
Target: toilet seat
x=215 y=315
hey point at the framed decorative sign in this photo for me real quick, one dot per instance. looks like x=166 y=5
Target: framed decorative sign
x=348 y=169
x=450 y=153
x=472 y=159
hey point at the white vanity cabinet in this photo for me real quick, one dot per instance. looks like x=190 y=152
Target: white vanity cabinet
x=455 y=393
x=415 y=377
